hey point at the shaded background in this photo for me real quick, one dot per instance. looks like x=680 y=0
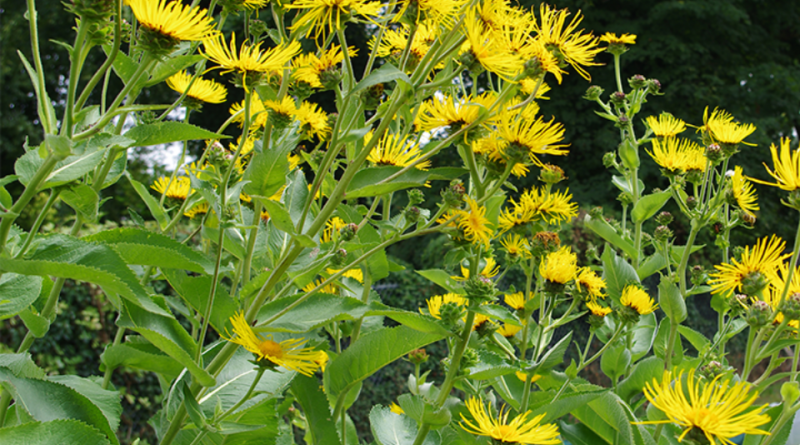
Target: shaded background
x=743 y=56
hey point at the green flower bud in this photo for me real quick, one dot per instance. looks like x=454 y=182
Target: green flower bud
x=653 y=86
x=480 y=289
x=339 y=258
x=412 y=214
x=610 y=160
x=596 y=212
x=415 y=196
x=330 y=78
x=714 y=153
x=453 y=195
x=468 y=360
x=759 y=315
x=348 y=232
x=593 y=93
x=257 y=28
x=625 y=198
x=418 y=356
x=637 y=81
x=712 y=370
x=791 y=307
x=551 y=174
x=753 y=283
x=618 y=98
x=662 y=234
x=790 y=392
x=691 y=202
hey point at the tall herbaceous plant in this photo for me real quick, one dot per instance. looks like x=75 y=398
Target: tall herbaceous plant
x=271 y=241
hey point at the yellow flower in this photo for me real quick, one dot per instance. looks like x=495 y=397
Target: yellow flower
x=486 y=49
x=526 y=86
x=294 y=161
x=436 y=302
x=565 y=41
x=516 y=300
x=332 y=228
x=435 y=12
x=538 y=204
x=322 y=360
x=356 y=274
x=516 y=246
x=248 y=58
x=762 y=262
x=329 y=288
x=474 y=223
x=202 y=89
x=743 y=192
x=636 y=298
x=173 y=20
x=508 y=330
x=673 y=154
x=536 y=137
x=395 y=408
x=560 y=266
x=492 y=148
x=313 y=121
x=786 y=165
x=331 y=14
x=624 y=39
x=498 y=13
x=289 y=353
x=521 y=429
x=774 y=293
x=449 y=111
x=728 y=132
x=314 y=66
x=258 y=114
x=597 y=309
x=199 y=209
x=593 y=284
x=524 y=377
x=394 y=41
x=490 y=270
x=396 y=150
x=719 y=410
x=177 y=189
x=665 y=125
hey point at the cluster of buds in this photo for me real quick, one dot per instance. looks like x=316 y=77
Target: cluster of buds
x=453 y=195
x=348 y=232
x=759 y=315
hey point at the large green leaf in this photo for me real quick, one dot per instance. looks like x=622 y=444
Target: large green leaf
x=152 y=203
x=606 y=417
x=566 y=404
x=386 y=73
x=643 y=372
x=609 y=233
x=317 y=411
x=56 y=432
x=167 y=335
x=295 y=196
x=68 y=257
x=108 y=401
x=671 y=301
x=644 y=334
x=145 y=248
x=648 y=205
x=17 y=292
x=168 y=131
x=368 y=181
x=83 y=199
x=555 y=355
x=318 y=310
x=579 y=434
x=266 y=172
x=370 y=353
x=70 y=169
x=133 y=357
x=490 y=365
x=443 y=279
x=414 y=320
x=21 y=365
x=170 y=66
x=389 y=428
x=46 y=400
x=617 y=272
x=195 y=291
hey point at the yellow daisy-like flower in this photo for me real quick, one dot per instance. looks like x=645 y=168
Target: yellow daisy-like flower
x=289 y=353
x=313 y=66
x=743 y=192
x=202 y=89
x=560 y=266
x=356 y=274
x=258 y=114
x=508 y=330
x=673 y=153
x=397 y=151
x=786 y=165
x=492 y=147
x=177 y=189
x=537 y=137
x=435 y=12
x=718 y=409
x=329 y=288
x=624 y=39
x=474 y=224
x=516 y=300
x=247 y=58
x=395 y=408
x=516 y=246
x=487 y=50
x=555 y=207
x=636 y=298
x=527 y=85
x=565 y=41
x=331 y=14
x=322 y=360
x=521 y=429
x=730 y=132
x=589 y=280
x=394 y=41
x=665 y=125
x=759 y=263
x=597 y=309
x=490 y=270
x=332 y=228
x=774 y=293
x=313 y=121
x=199 y=209
x=436 y=302
x=449 y=111
x=173 y=20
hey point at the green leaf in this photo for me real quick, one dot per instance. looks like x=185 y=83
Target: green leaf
x=671 y=301
x=36 y=324
x=615 y=361
x=643 y=372
x=605 y=417
x=21 y=365
x=490 y=366
x=108 y=401
x=368 y=181
x=266 y=172
x=134 y=357
x=781 y=436
x=555 y=355
x=192 y=407
x=146 y=248
x=316 y=409
x=152 y=204
x=698 y=340
x=45 y=401
x=56 y=432
x=70 y=169
x=608 y=233
x=195 y=292
x=414 y=320
x=370 y=353
x=579 y=434
x=443 y=279
x=617 y=272
x=421 y=410
x=123 y=65
x=649 y=205
x=389 y=428
x=497 y=312
x=295 y=196
x=278 y=215
x=83 y=199
x=318 y=310
x=68 y=257
x=644 y=334
x=386 y=73
x=167 y=335
x=17 y=292
x=171 y=66
x=48 y=116
x=566 y=404
x=168 y=131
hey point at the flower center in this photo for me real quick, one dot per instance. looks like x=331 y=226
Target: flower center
x=270 y=348
x=703 y=417
x=503 y=432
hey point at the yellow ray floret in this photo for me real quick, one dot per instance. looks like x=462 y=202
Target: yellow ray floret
x=764 y=258
x=201 y=89
x=665 y=125
x=675 y=154
x=289 y=353
x=174 y=19
x=537 y=137
x=397 y=151
x=565 y=40
x=560 y=266
x=636 y=298
x=743 y=192
x=516 y=300
x=516 y=246
x=787 y=167
x=474 y=223
x=522 y=429
x=613 y=39
x=179 y=188
x=247 y=58
x=436 y=302
x=589 y=280
x=331 y=14
x=719 y=409
x=597 y=309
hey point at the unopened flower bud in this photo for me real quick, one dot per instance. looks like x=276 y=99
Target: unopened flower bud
x=791 y=307
x=637 y=81
x=625 y=198
x=712 y=370
x=412 y=214
x=596 y=212
x=257 y=28
x=480 y=289
x=330 y=78
x=415 y=196
x=714 y=153
x=551 y=174
x=664 y=218
x=627 y=314
x=662 y=234
x=450 y=313
x=622 y=122
x=698 y=275
x=486 y=329
x=593 y=93
x=691 y=202
x=753 y=283
x=610 y=159
x=418 y=356
x=653 y=85
x=759 y=315
x=348 y=232
x=454 y=194
x=339 y=258
x=739 y=304
x=468 y=360
x=790 y=392
x=618 y=98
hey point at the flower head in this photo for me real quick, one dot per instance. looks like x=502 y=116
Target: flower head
x=613 y=39
x=435 y=12
x=314 y=69
x=247 y=59
x=516 y=246
x=637 y=299
x=537 y=137
x=330 y=14
x=729 y=132
x=665 y=125
x=759 y=264
x=743 y=192
x=201 y=89
x=718 y=409
x=786 y=165
x=169 y=23
x=516 y=300
x=313 y=121
x=508 y=330
x=597 y=309
x=199 y=209
x=568 y=44
x=587 y=279
x=560 y=266
x=483 y=50
x=396 y=150
x=451 y=112
x=436 y=302
x=520 y=429
x=674 y=154
x=490 y=270
x=289 y=353
x=474 y=223
x=179 y=188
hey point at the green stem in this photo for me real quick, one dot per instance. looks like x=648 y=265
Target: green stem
x=523 y=347
x=30 y=190
x=617 y=73
x=110 y=369
x=49 y=127
x=5 y=400
x=597 y=355
x=76 y=61
x=251 y=244
x=38 y=223
x=792 y=265
x=526 y=392
x=795 y=361
x=673 y=333
x=87 y=90
x=349 y=79
x=685 y=257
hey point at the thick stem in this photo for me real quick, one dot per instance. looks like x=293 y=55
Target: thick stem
x=38 y=223
x=673 y=333
x=76 y=61
x=685 y=257
x=49 y=127
x=617 y=73
x=29 y=192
